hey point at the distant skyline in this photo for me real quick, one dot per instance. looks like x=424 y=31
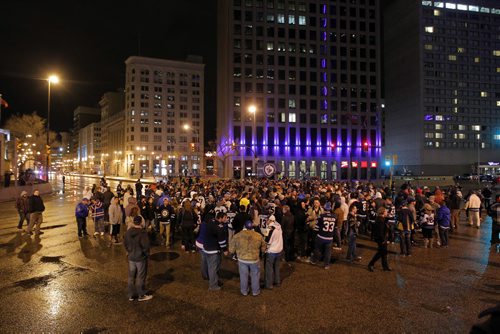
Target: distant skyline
x=86 y=44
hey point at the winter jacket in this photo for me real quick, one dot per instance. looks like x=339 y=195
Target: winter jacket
x=22 y=204
x=97 y=210
x=247 y=245
x=274 y=239
x=214 y=237
x=81 y=210
x=115 y=214
x=288 y=224
x=443 y=217
x=35 y=204
x=137 y=244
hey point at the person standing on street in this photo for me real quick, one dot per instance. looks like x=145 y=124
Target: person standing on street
x=97 y=215
x=247 y=245
x=115 y=219
x=443 y=220
x=81 y=213
x=138 y=189
x=22 y=208
x=473 y=206
x=324 y=238
x=214 y=240
x=36 y=209
x=494 y=213
x=137 y=246
x=380 y=236
x=274 y=241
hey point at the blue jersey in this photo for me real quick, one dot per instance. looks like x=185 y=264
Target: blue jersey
x=326 y=226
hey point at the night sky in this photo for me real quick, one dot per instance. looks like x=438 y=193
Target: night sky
x=86 y=44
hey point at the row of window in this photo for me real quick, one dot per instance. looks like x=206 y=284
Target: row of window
x=464 y=144
x=292 y=5
x=311 y=118
x=313 y=91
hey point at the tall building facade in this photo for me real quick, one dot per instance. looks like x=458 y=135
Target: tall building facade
x=112 y=132
x=82 y=117
x=164 y=116
x=89 y=148
x=442 y=84
x=299 y=88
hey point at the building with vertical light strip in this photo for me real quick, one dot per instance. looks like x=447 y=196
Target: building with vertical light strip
x=312 y=71
x=442 y=85
x=163 y=116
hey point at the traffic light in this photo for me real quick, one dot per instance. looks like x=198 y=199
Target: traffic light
x=365 y=146
x=333 y=145
x=192 y=147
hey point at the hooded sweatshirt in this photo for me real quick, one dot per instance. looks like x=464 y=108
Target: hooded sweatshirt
x=275 y=238
x=137 y=244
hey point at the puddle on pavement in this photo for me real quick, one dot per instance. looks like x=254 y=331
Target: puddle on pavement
x=34 y=282
x=435 y=309
x=51 y=259
x=52 y=226
x=94 y=330
x=164 y=256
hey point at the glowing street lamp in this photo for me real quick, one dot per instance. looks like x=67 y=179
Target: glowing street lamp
x=52 y=79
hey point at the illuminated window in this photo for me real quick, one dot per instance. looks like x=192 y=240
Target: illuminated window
x=428 y=46
x=496 y=53
x=450 y=5
x=498 y=103
x=496 y=137
x=439 y=4
x=461 y=7
x=281 y=18
x=437 y=144
x=452 y=57
x=461 y=136
x=429 y=135
x=460 y=50
x=430 y=30
x=426 y=3
x=461 y=127
x=270 y=46
x=292 y=118
x=291 y=19
x=484 y=94
x=439 y=118
x=475 y=127
x=474 y=8
x=477 y=59
x=302 y=20
x=438 y=135
x=437 y=12
x=498 y=69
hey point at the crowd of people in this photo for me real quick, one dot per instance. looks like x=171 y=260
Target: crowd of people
x=286 y=220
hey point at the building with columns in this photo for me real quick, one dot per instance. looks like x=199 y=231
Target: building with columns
x=164 y=116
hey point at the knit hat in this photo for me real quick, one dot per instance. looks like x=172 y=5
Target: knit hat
x=248 y=224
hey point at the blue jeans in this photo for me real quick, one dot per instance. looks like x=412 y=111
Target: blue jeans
x=210 y=266
x=272 y=269
x=254 y=270
x=351 y=251
x=323 y=247
x=137 y=278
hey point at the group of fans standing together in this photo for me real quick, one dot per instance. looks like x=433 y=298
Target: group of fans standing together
x=286 y=220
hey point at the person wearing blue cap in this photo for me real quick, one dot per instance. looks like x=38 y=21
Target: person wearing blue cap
x=248 y=245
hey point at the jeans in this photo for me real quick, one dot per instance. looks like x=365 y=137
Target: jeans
x=338 y=239
x=322 y=247
x=381 y=253
x=288 y=244
x=22 y=217
x=212 y=265
x=99 y=225
x=36 y=218
x=443 y=235
x=455 y=218
x=272 y=269
x=137 y=272
x=188 y=237
x=82 y=226
x=405 y=242
x=351 y=251
x=254 y=270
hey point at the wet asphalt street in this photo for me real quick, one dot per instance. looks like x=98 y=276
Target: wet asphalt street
x=58 y=283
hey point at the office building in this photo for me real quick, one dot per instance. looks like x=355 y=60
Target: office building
x=442 y=85
x=163 y=116
x=299 y=88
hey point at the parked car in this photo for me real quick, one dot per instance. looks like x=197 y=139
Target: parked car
x=464 y=177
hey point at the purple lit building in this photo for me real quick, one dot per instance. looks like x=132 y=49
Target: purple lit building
x=311 y=71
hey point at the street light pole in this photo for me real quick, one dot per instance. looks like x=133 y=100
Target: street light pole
x=253 y=110
x=478 y=157
x=51 y=79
